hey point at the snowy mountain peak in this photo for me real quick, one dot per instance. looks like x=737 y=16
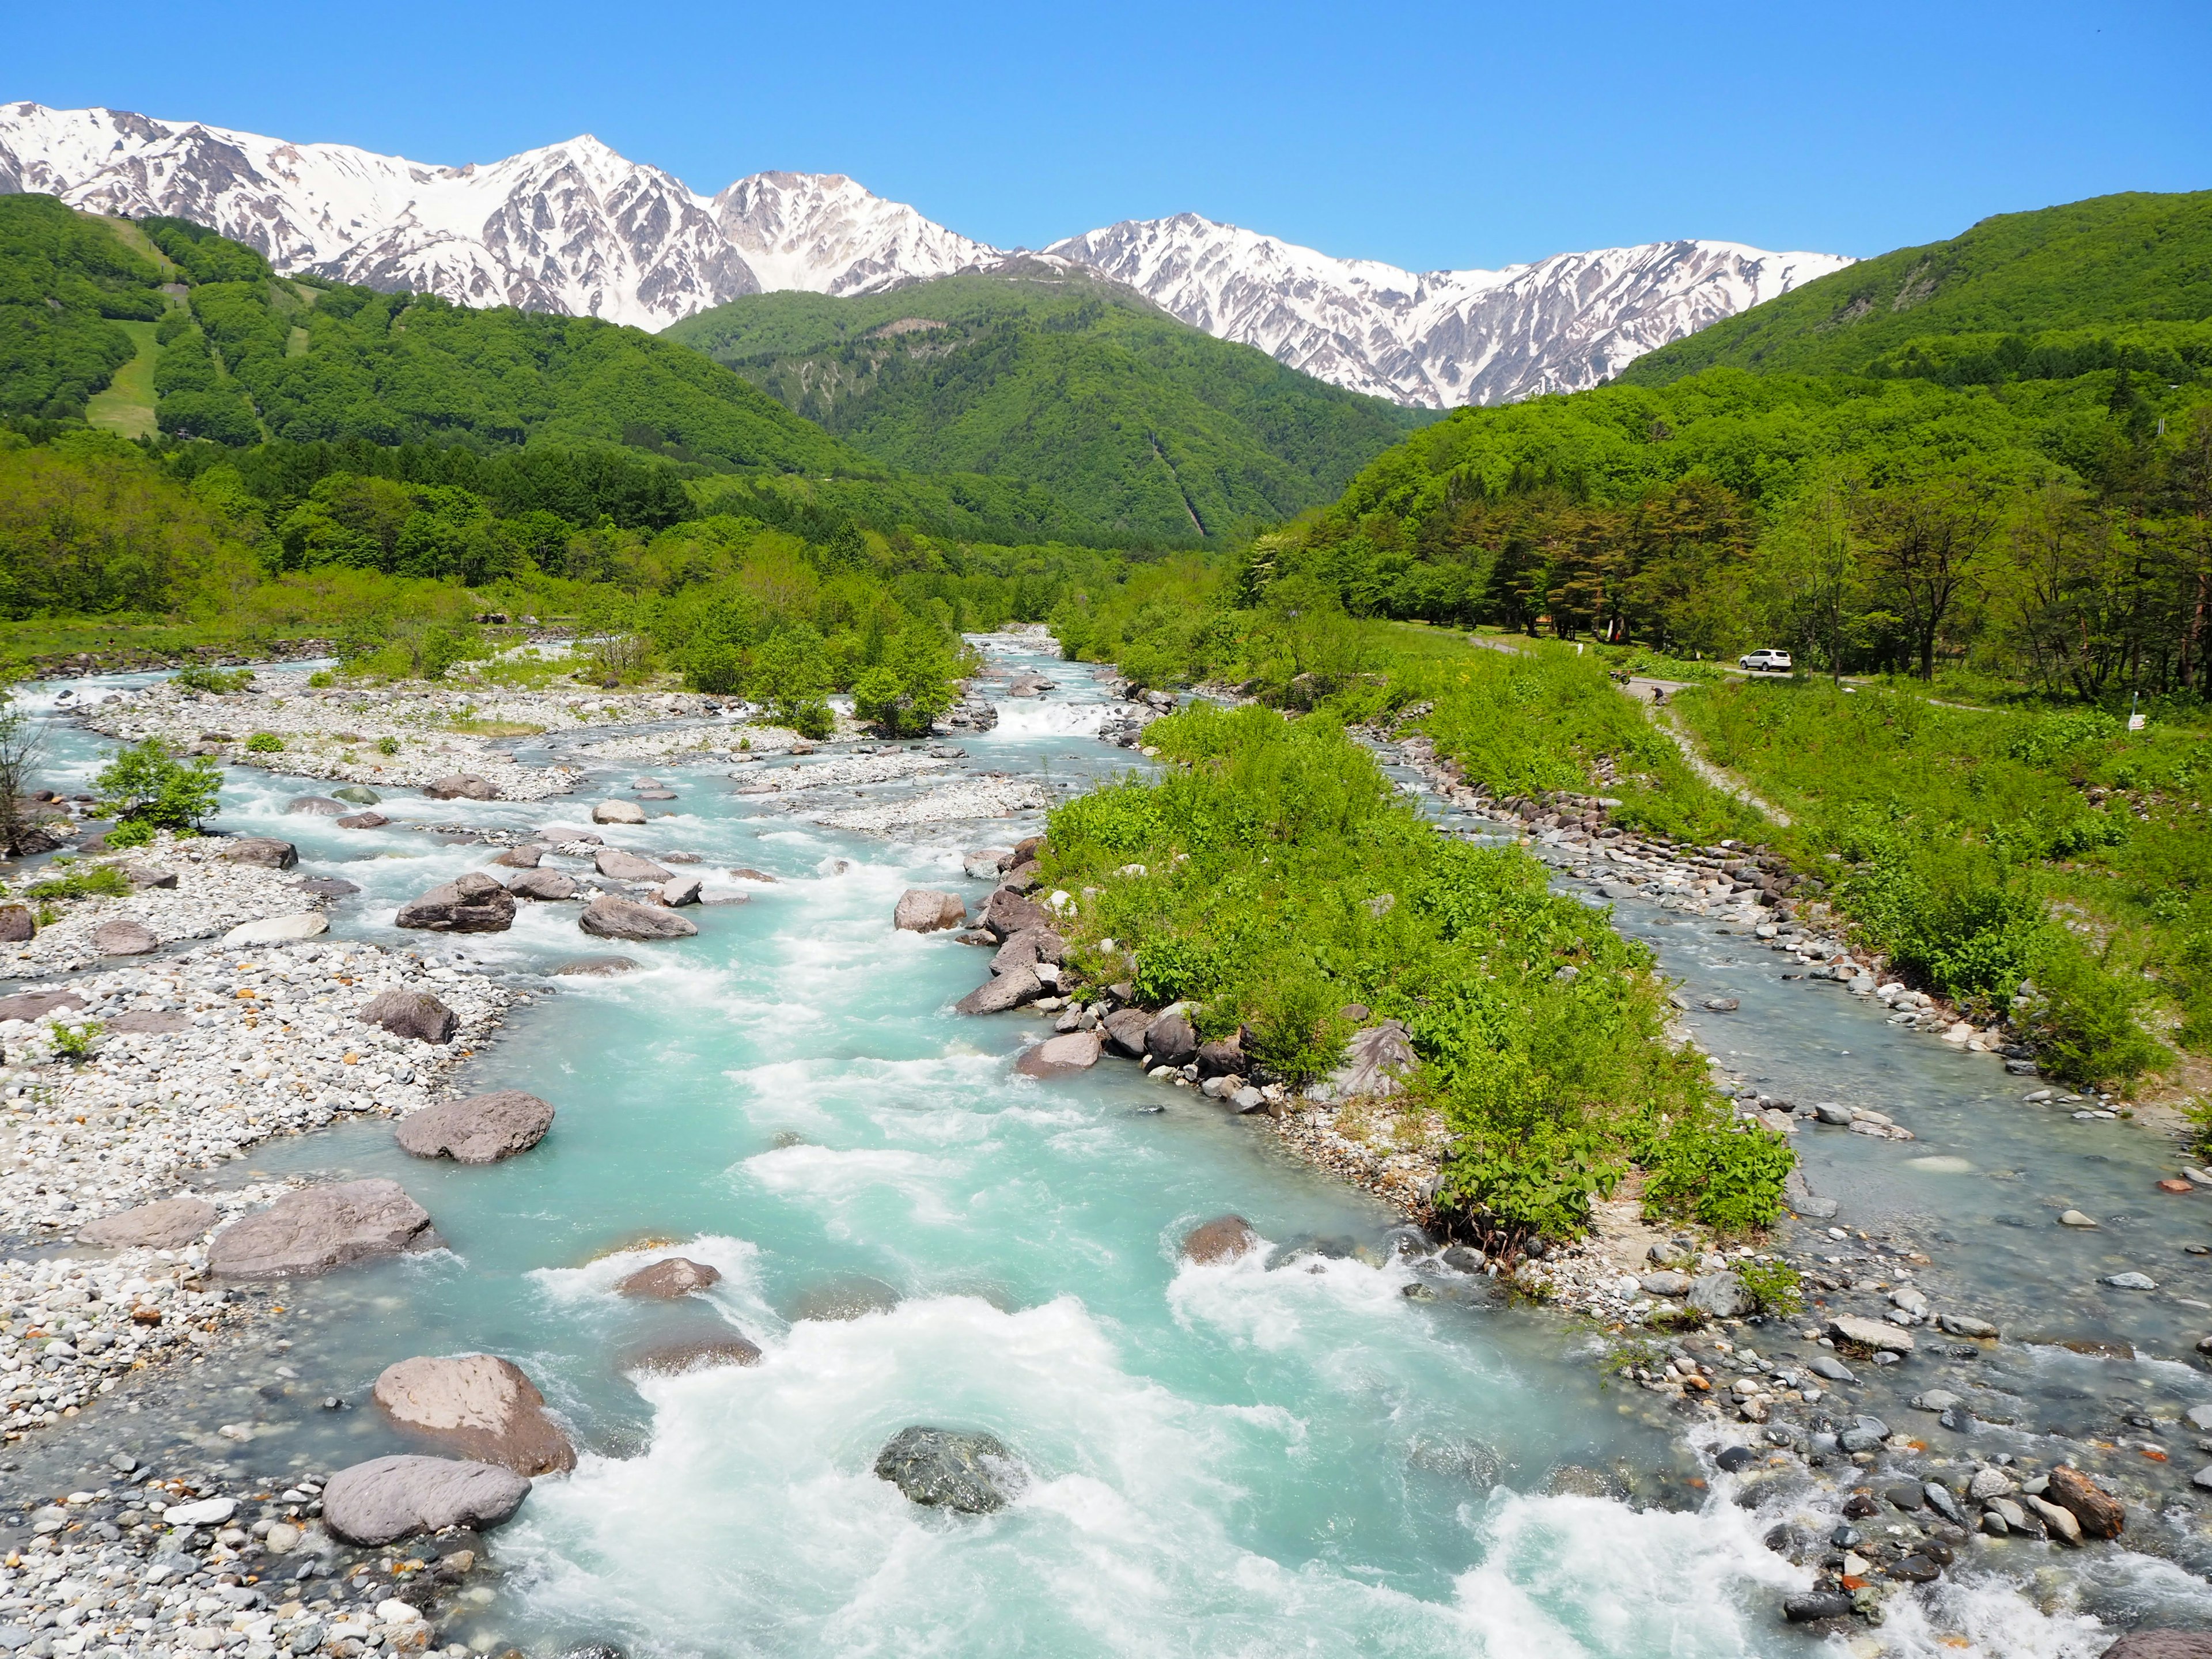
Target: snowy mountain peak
x=577 y=227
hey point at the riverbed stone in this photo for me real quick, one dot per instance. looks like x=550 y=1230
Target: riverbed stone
x=415 y=1014
x=996 y=996
x=17 y=925
x=2076 y=1218
x=315 y=1229
x=545 y=886
x=525 y=857
x=1966 y=1325
x=668 y=1279
x=680 y=890
x=926 y=910
x=477 y=1406
x=388 y=1498
x=943 y=1469
x=1028 y=948
x=1666 y=1282
x=1935 y=1400
x=36 y=1005
x=848 y=1295
x=1007 y=913
x=2101 y=1514
x=1125 y=1030
x=1870 y=1333
x=1376 y=1062
x=1808 y=1607
x=1222 y=1239
x=2162 y=1644
x=470 y=903
x=169 y=1224
x=598 y=966
x=461 y=786
x=609 y=917
x=618 y=812
x=2131 y=1282
x=280 y=930
x=1171 y=1040
x=124 y=938
x=265 y=851
x=618 y=866
x=675 y=1357
x=363 y=821
x=318 y=806
x=357 y=794
x=1722 y=1295
x=150 y=875
x=481 y=1129
x=1076 y=1051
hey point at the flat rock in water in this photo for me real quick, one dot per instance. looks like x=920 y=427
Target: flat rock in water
x=472 y=903
x=415 y=1014
x=744 y=874
x=1965 y=1325
x=123 y=937
x=363 y=821
x=279 y=930
x=852 y=1297
x=478 y=1406
x=357 y=794
x=669 y=1278
x=2131 y=1282
x=326 y=886
x=2076 y=1218
x=618 y=866
x=482 y=1129
x=1828 y=1366
x=36 y=1005
x=925 y=910
x=618 y=812
x=656 y=794
x=546 y=886
x=608 y=917
x=169 y=1223
x=461 y=786
x=1870 y=1333
x=316 y=1229
x=266 y=851
x=1072 y=1051
x=2162 y=1644
x=568 y=834
x=320 y=806
x=389 y=1499
x=525 y=857
x=599 y=967
x=996 y=996
x=697 y=1354
x=1721 y=1005
x=1222 y=1239
x=973 y=1473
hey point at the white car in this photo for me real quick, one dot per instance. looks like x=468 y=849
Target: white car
x=1765 y=662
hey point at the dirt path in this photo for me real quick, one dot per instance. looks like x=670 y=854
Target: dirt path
x=1646 y=695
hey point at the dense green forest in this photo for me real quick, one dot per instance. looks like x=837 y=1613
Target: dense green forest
x=2034 y=288
x=66 y=279
x=1134 y=420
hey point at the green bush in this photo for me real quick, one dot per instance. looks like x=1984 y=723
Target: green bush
x=222 y=681
x=103 y=881
x=1774 y=1287
x=266 y=743
x=2083 y=1019
x=146 y=784
x=1727 y=1175
x=322 y=679
x=387 y=746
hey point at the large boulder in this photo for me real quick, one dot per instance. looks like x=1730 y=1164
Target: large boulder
x=1075 y=1051
x=618 y=866
x=679 y=890
x=473 y=903
x=1125 y=1029
x=150 y=875
x=17 y=925
x=123 y=937
x=265 y=851
x=36 y=1005
x=691 y=1355
x=1169 y=1039
x=973 y=1473
x=544 y=885
x=1007 y=913
x=279 y=930
x=925 y=910
x=388 y=1498
x=668 y=1279
x=2101 y=1514
x=1374 y=1062
x=478 y=1406
x=525 y=857
x=316 y=1229
x=318 y=806
x=1223 y=1058
x=608 y=917
x=1222 y=1239
x=1870 y=1333
x=357 y=794
x=169 y=1224
x=482 y=1129
x=997 y=995
x=2162 y=1644
x=1722 y=1295
x=618 y=812
x=461 y=786
x=1028 y=948
x=363 y=821
x=415 y=1014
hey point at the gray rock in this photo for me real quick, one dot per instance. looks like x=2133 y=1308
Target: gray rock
x=2131 y=1282
x=36 y=1005
x=1222 y=1239
x=618 y=812
x=679 y=890
x=2199 y=1417
x=1829 y=1112
x=320 y=806
x=1007 y=913
x=316 y=1229
x=608 y=917
x=460 y=785
x=1376 y=1061
x=525 y=857
x=363 y=821
x=478 y=1407
x=925 y=910
x=599 y=967
x=1935 y=1400
x=1666 y=1282
x=692 y=1354
x=279 y=930
x=1808 y=1606
x=1870 y=1333
x=266 y=851
x=150 y=875
x=482 y=1129
x=973 y=1473
x=1941 y=1500
x=1169 y=1039
x=1827 y=1365
x=1075 y=1051
x=618 y=866
x=473 y=903
x=415 y=1014
x=2162 y=1644
x=1722 y=1295
x=1028 y=948
x=389 y=1499
x=669 y=1279
x=358 y=794
x=123 y=937
x=1125 y=1030
x=1964 y=1324
x=995 y=996
x=1988 y=1482
x=548 y=886
x=169 y=1223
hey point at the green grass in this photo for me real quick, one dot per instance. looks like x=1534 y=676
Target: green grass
x=127 y=405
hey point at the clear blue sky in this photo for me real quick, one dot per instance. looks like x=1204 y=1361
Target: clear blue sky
x=1426 y=134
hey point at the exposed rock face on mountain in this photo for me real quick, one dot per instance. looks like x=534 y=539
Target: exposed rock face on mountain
x=575 y=228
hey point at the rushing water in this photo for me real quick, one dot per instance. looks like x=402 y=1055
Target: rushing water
x=1281 y=1455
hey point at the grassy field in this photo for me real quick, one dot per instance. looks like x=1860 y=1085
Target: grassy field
x=127 y=405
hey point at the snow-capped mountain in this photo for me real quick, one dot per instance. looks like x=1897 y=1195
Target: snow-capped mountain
x=575 y=227
x=1440 y=337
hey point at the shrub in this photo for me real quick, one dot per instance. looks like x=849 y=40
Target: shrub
x=322 y=678
x=1543 y=1182
x=135 y=832
x=1727 y=1175
x=2083 y=1020
x=1773 y=1286
x=387 y=746
x=222 y=681
x=146 y=784
x=104 y=881
x=75 y=1043
x=266 y=743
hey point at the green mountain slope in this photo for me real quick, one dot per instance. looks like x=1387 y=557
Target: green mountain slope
x=2141 y=262
x=67 y=280
x=1137 y=421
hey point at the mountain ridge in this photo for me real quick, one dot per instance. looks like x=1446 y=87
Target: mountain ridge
x=577 y=228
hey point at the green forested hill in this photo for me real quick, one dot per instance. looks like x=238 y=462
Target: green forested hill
x=1133 y=419
x=2076 y=283
x=66 y=278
